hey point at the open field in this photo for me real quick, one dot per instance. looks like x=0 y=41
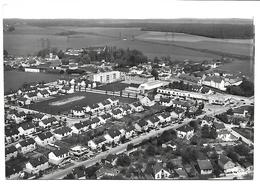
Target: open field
x=89 y=99
x=246 y=132
x=116 y=86
x=66 y=101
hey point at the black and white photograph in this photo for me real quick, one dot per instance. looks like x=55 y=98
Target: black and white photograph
x=151 y=96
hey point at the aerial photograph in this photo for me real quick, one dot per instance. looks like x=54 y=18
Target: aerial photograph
x=128 y=99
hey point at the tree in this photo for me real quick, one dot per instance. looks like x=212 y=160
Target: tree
x=154 y=72
x=123 y=160
x=103 y=147
x=69 y=176
x=150 y=150
x=130 y=146
x=230 y=112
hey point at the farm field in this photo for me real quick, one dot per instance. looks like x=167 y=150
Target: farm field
x=89 y=99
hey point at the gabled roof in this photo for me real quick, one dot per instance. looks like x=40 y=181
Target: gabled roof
x=79 y=125
x=205 y=164
x=99 y=139
x=129 y=128
x=157 y=167
x=27 y=125
x=11 y=131
x=14 y=169
x=10 y=149
x=20 y=114
x=60 y=151
x=224 y=159
x=219 y=126
x=44 y=92
x=142 y=123
x=31 y=94
x=79 y=172
x=114 y=133
x=49 y=120
x=111 y=157
x=38 y=115
x=38 y=161
x=45 y=135
x=185 y=128
x=105 y=116
x=154 y=119
x=165 y=115
x=106 y=102
x=178 y=110
x=95 y=120
x=137 y=104
x=27 y=142
x=116 y=111
x=62 y=130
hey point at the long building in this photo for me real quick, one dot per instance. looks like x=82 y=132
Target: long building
x=108 y=77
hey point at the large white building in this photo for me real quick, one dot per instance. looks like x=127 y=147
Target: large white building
x=107 y=77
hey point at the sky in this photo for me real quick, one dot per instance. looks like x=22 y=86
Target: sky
x=134 y=9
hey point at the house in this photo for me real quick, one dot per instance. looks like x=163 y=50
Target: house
x=160 y=172
x=177 y=112
x=113 y=101
x=105 y=117
x=117 y=113
x=141 y=125
x=67 y=89
x=38 y=117
x=18 y=117
x=26 y=146
x=58 y=156
x=205 y=166
x=106 y=171
x=48 y=122
x=26 y=128
x=241 y=111
x=129 y=131
x=127 y=109
x=32 y=96
x=11 y=134
x=214 y=81
x=107 y=77
x=79 y=173
x=219 y=126
x=37 y=164
x=96 y=121
x=44 y=139
x=77 y=128
x=13 y=172
x=106 y=104
x=185 y=131
x=78 y=111
x=146 y=101
x=207 y=120
x=137 y=107
x=167 y=102
x=181 y=104
x=43 y=94
x=23 y=101
x=226 y=164
x=111 y=159
x=97 y=142
x=10 y=152
x=165 y=117
x=113 y=135
x=153 y=121
x=225 y=135
x=181 y=173
x=62 y=132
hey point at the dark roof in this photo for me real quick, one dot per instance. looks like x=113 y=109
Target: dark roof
x=20 y=114
x=44 y=92
x=178 y=110
x=60 y=151
x=27 y=125
x=32 y=94
x=129 y=128
x=111 y=157
x=79 y=172
x=49 y=120
x=224 y=159
x=114 y=132
x=10 y=149
x=95 y=120
x=166 y=100
x=27 y=142
x=105 y=116
x=11 y=131
x=154 y=119
x=14 y=169
x=38 y=161
x=157 y=167
x=204 y=164
x=38 y=115
x=62 y=130
x=99 y=139
x=105 y=102
x=219 y=125
x=165 y=115
x=185 y=128
x=94 y=106
x=45 y=135
x=79 y=125
x=142 y=123
x=116 y=111
x=137 y=104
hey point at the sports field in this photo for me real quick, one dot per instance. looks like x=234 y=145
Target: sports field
x=64 y=103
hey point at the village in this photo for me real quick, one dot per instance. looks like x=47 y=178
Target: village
x=105 y=120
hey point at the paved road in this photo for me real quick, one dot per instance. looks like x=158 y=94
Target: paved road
x=122 y=147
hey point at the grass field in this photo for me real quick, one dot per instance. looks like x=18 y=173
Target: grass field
x=89 y=99
x=116 y=86
x=246 y=132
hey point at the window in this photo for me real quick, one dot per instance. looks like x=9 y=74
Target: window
x=101 y=78
x=107 y=79
x=114 y=76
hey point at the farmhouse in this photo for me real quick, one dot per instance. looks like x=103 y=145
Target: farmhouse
x=164 y=117
x=160 y=172
x=141 y=125
x=214 y=81
x=113 y=135
x=97 y=142
x=153 y=121
x=48 y=122
x=26 y=128
x=205 y=166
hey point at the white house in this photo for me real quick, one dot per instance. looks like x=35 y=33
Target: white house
x=117 y=113
x=185 y=132
x=26 y=128
x=78 y=111
x=77 y=128
x=23 y=101
x=26 y=146
x=67 y=89
x=107 y=77
x=129 y=131
x=62 y=132
x=97 y=142
x=161 y=172
x=10 y=152
x=141 y=125
x=37 y=164
x=44 y=139
x=11 y=134
x=137 y=107
x=205 y=166
x=165 y=117
x=113 y=135
x=146 y=101
x=214 y=81
x=153 y=121
x=48 y=122
x=58 y=156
